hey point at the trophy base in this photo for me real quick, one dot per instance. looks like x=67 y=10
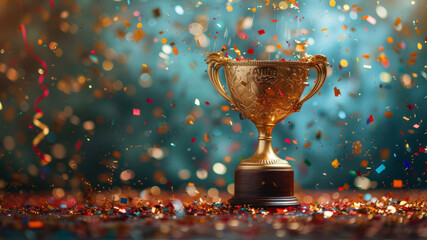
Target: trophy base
x=264 y=187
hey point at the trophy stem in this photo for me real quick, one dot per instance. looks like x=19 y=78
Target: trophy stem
x=264 y=156
x=264 y=139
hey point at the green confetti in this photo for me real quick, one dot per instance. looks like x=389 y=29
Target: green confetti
x=307 y=162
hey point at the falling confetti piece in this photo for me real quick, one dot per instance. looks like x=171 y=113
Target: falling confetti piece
x=370 y=19
x=335 y=163
x=337 y=92
x=290 y=159
x=367 y=66
x=332 y=3
x=52 y=4
x=406 y=164
x=342 y=37
x=261 y=32
x=123 y=200
x=324 y=29
x=288 y=140
x=250 y=51
x=39 y=113
x=397 y=22
x=207 y=103
x=236 y=50
x=193 y=140
x=175 y=50
x=388 y=114
x=397 y=183
x=197 y=102
x=136 y=112
x=307 y=162
x=369 y=120
x=380 y=168
x=149 y=100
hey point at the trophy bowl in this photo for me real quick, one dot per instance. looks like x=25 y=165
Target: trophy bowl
x=265 y=92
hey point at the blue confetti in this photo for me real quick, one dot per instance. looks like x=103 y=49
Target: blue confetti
x=63 y=206
x=380 y=168
x=367 y=197
x=408 y=165
x=124 y=200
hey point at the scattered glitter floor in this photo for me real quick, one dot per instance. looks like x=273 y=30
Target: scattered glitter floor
x=383 y=216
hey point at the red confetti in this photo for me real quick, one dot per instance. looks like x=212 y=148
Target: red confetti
x=193 y=140
x=261 y=32
x=52 y=4
x=421 y=149
x=43 y=87
x=136 y=112
x=287 y=140
x=169 y=183
x=369 y=120
x=273 y=20
x=149 y=100
x=78 y=145
x=340 y=189
x=207 y=103
x=337 y=91
x=250 y=51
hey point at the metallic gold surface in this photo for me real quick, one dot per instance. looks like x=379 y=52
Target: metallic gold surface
x=265 y=92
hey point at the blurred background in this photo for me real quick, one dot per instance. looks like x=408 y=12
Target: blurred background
x=130 y=103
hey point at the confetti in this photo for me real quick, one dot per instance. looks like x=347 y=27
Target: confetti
x=335 y=163
x=388 y=114
x=406 y=164
x=307 y=162
x=136 y=112
x=337 y=92
x=380 y=168
x=261 y=32
x=369 y=120
x=39 y=113
x=397 y=183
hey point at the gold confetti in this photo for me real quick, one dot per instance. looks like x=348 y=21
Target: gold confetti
x=335 y=163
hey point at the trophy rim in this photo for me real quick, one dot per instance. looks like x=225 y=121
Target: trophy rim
x=268 y=62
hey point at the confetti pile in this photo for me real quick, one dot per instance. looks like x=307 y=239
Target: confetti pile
x=366 y=217
x=127 y=104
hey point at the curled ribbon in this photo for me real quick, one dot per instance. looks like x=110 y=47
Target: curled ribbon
x=39 y=113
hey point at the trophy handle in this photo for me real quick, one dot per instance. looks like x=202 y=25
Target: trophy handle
x=318 y=62
x=215 y=62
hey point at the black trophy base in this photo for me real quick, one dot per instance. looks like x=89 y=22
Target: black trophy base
x=264 y=188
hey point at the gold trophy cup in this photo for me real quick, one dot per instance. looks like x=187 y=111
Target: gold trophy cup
x=265 y=92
